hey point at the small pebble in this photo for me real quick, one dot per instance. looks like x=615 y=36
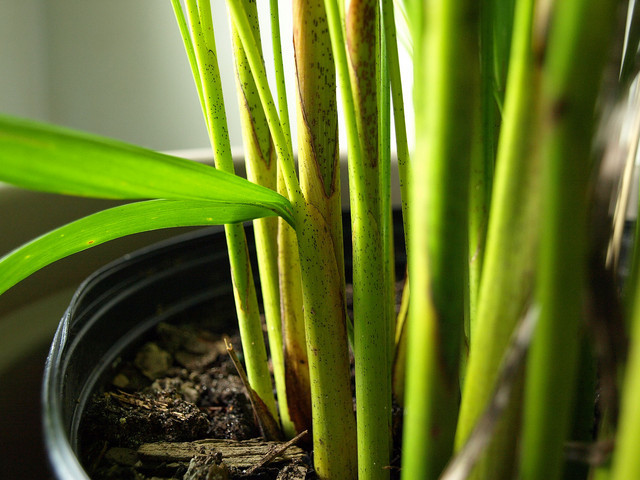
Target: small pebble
x=153 y=361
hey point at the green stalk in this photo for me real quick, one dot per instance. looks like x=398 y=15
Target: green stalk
x=395 y=79
x=324 y=302
x=445 y=37
x=496 y=22
x=243 y=285
x=398 y=372
x=386 y=209
x=334 y=15
x=390 y=53
x=283 y=106
x=370 y=293
x=325 y=319
x=358 y=175
x=294 y=339
x=626 y=461
x=191 y=53
x=483 y=160
x=280 y=137
x=320 y=244
x=503 y=17
x=262 y=169
x=574 y=60
x=510 y=259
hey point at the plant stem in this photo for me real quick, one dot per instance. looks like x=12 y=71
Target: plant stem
x=336 y=30
x=384 y=147
x=325 y=322
x=283 y=106
x=496 y=22
x=626 y=461
x=294 y=339
x=402 y=145
x=324 y=303
x=370 y=292
x=507 y=275
x=191 y=54
x=574 y=60
x=280 y=139
x=244 y=288
x=444 y=35
x=483 y=161
x=502 y=22
x=398 y=372
x=391 y=59
x=320 y=244
x=262 y=169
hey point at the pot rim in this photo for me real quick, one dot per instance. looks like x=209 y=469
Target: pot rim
x=61 y=455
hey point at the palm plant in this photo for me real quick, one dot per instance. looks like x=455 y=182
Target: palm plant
x=497 y=198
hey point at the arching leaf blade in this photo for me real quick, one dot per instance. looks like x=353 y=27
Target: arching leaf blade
x=114 y=223
x=58 y=160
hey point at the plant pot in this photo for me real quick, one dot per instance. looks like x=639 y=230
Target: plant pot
x=155 y=284
x=116 y=307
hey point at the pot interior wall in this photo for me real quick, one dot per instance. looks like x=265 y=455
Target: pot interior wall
x=113 y=310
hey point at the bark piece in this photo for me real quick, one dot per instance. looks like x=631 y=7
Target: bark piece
x=276 y=451
x=235 y=454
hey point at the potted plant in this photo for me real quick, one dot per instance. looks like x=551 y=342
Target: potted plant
x=497 y=203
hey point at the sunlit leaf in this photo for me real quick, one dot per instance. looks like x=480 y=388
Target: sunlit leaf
x=58 y=160
x=115 y=223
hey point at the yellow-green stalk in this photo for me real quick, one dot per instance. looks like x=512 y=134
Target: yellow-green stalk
x=262 y=169
x=296 y=361
x=626 y=461
x=397 y=98
x=390 y=55
x=206 y=73
x=494 y=30
x=295 y=345
x=320 y=244
x=508 y=273
x=370 y=295
x=445 y=69
x=573 y=61
x=324 y=302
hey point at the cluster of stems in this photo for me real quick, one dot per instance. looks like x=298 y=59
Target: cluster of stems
x=495 y=204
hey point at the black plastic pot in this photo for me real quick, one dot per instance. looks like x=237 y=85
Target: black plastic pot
x=114 y=309
x=110 y=313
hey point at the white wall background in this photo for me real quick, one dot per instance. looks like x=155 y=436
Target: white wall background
x=118 y=68
x=115 y=68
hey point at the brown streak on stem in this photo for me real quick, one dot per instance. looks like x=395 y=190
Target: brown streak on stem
x=296 y=368
x=268 y=426
x=330 y=189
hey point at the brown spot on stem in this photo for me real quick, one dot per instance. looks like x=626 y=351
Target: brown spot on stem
x=559 y=109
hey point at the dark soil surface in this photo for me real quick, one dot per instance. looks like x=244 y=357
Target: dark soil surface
x=182 y=388
x=163 y=405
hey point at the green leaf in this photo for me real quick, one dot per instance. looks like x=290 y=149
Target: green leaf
x=53 y=159
x=115 y=223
